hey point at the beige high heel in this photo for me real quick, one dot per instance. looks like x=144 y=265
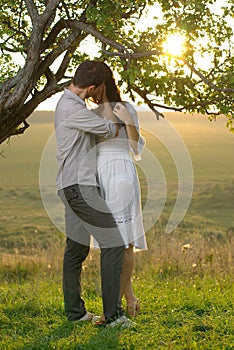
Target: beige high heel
x=133 y=309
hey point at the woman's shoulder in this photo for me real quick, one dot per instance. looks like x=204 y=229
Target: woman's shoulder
x=130 y=108
x=128 y=104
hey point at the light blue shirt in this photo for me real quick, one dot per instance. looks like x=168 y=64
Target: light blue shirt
x=76 y=128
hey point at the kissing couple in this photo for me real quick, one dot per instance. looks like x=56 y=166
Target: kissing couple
x=98 y=184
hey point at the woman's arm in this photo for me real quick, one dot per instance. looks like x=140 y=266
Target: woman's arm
x=133 y=134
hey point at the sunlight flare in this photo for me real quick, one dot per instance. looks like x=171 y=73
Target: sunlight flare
x=174 y=44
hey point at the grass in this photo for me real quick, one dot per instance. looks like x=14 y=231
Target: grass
x=186 y=298
x=186 y=294
x=177 y=313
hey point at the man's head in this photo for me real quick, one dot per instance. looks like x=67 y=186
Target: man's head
x=90 y=76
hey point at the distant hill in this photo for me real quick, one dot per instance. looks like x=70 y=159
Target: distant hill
x=41 y=117
x=179 y=120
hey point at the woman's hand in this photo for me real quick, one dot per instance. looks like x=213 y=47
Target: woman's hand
x=123 y=114
x=104 y=98
x=100 y=96
x=104 y=109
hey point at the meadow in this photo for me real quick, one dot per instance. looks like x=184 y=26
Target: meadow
x=184 y=280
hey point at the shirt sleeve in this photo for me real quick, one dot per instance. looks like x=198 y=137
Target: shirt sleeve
x=87 y=121
x=141 y=141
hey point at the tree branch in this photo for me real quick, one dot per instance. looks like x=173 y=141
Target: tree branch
x=66 y=59
x=2 y=155
x=59 y=26
x=32 y=10
x=25 y=78
x=205 y=79
x=15 y=31
x=92 y=3
x=199 y=103
x=50 y=58
x=94 y=32
x=152 y=106
x=65 y=9
x=49 y=90
x=127 y=54
x=49 y=11
x=20 y=130
x=134 y=55
x=122 y=52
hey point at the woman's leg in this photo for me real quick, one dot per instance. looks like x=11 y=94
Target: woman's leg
x=126 y=282
x=127 y=270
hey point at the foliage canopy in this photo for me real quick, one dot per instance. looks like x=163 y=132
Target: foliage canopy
x=42 y=32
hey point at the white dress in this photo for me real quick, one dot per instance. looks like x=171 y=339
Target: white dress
x=119 y=184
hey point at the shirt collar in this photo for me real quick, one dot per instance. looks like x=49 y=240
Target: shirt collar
x=71 y=94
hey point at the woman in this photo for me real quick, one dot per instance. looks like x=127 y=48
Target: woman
x=119 y=183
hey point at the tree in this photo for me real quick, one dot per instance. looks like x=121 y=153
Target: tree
x=45 y=31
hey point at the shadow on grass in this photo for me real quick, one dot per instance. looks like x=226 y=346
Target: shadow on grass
x=30 y=327
x=69 y=336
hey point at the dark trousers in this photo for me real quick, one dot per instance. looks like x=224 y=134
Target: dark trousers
x=87 y=211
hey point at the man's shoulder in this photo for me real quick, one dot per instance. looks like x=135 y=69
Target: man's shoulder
x=68 y=105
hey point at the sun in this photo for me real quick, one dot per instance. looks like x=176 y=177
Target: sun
x=174 y=45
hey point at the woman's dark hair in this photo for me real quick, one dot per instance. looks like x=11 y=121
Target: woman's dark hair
x=89 y=73
x=112 y=90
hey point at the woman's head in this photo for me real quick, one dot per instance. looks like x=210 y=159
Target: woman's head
x=112 y=90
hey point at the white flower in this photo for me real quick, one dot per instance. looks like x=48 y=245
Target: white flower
x=185 y=247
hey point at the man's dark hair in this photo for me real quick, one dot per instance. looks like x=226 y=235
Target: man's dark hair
x=89 y=73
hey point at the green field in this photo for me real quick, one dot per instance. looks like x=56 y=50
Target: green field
x=186 y=296
x=210 y=146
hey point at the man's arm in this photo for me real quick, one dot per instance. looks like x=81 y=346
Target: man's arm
x=87 y=121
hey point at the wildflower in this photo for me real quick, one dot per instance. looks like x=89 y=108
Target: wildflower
x=185 y=247
x=16 y=250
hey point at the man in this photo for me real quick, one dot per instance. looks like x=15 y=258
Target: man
x=85 y=211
